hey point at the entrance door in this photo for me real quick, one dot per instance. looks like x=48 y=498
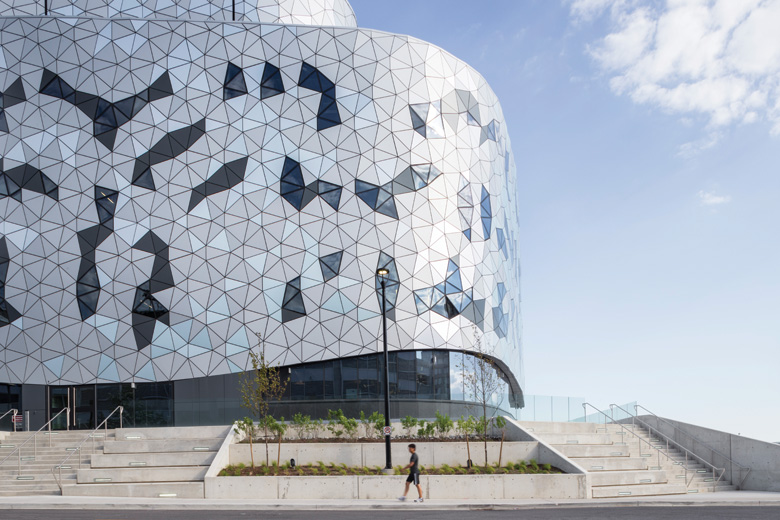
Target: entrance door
x=80 y=400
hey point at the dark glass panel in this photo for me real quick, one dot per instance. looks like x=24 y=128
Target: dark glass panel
x=424 y=374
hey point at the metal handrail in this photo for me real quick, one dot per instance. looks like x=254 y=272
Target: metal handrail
x=687 y=452
x=641 y=440
x=33 y=438
x=90 y=435
x=697 y=440
x=15 y=411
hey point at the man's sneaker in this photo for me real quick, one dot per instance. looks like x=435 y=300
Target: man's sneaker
x=401 y=498
x=418 y=499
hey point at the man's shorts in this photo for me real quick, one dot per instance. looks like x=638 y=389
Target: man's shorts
x=414 y=477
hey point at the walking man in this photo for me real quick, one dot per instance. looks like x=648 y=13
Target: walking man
x=414 y=474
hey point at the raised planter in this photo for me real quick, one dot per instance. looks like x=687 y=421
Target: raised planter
x=388 y=487
x=373 y=454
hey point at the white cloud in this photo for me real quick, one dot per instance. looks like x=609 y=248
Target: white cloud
x=716 y=58
x=688 y=150
x=709 y=198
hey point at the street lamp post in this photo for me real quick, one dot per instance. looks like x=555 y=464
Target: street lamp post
x=382 y=272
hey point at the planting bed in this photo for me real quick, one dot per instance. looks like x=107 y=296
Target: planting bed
x=321 y=469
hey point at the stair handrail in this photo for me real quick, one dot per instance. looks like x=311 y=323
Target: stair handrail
x=15 y=411
x=677 y=445
x=641 y=440
x=77 y=449
x=697 y=440
x=33 y=438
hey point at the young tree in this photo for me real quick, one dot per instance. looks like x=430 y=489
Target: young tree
x=465 y=426
x=247 y=427
x=500 y=423
x=259 y=387
x=483 y=385
x=279 y=428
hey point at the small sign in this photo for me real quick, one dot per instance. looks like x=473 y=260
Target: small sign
x=17 y=418
x=388 y=430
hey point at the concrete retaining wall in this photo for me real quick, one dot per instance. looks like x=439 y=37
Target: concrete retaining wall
x=763 y=458
x=387 y=487
x=373 y=454
x=547 y=454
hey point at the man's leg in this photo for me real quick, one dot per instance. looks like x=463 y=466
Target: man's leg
x=406 y=488
x=419 y=490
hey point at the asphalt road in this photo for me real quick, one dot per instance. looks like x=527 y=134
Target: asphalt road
x=609 y=513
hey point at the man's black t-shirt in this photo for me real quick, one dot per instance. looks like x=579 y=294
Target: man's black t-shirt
x=415 y=465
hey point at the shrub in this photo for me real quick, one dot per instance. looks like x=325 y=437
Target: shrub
x=534 y=465
x=443 y=424
x=301 y=424
x=377 y=420
x=489 y=470
x=546 y=467
x=425 y=430
x=408 y=423
x=314 y=427
x=510 y=466
x=335 y=424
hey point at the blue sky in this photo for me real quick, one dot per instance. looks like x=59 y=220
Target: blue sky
x=647 y=139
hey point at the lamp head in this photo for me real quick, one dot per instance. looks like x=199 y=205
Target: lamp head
x=382 y=272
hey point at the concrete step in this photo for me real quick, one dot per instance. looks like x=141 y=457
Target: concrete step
x=644 y=490
x=708 y=489
x=583 y=438
x=591 y=450
x=187 y=432
x=541 y=428
x=37 y=492
x=35 y=484
x=163 y=445
x=124 y=460
x=611 y=464
x=154 y=490
x=35 y=470
x=629 y=478
x=180 y=474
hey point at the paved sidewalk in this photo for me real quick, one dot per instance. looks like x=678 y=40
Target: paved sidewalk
x=729 y=498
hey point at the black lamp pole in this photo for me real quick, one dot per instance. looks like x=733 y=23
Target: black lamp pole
x=388 y=457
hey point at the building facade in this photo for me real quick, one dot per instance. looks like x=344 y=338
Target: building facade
x=183 y=181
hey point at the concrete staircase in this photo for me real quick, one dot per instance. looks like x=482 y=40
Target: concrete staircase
x=38 y=458
x=618 y=467
x=150 y=462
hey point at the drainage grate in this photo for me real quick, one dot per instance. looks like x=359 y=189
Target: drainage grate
x=624 y=493
x=25 y=477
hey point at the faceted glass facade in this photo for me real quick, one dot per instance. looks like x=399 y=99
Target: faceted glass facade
x=175 y=184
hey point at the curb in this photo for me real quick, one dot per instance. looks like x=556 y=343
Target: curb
x=211 y=506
